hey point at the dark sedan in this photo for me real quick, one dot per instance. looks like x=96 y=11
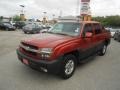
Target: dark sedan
x=19 y=24
x=32 y=28
x=7 y=26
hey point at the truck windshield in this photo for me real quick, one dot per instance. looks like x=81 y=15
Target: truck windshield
x=66 y=28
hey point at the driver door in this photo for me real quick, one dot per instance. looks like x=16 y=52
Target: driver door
x=86 y=43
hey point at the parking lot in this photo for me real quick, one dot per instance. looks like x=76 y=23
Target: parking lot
x=100 y=73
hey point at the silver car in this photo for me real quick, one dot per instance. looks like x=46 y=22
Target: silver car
x=32 y=28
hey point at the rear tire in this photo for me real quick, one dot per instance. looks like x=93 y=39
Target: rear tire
x=103 y=50
x=68 y=66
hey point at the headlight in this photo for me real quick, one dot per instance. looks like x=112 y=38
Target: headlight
x=45 y=52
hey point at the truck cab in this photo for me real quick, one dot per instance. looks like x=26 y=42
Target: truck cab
x=63 y=46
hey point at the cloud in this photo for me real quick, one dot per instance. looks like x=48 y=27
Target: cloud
x=105 y=7
x=35 y=8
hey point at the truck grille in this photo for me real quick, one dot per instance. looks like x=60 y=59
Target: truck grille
x=31 y=46
x=29 y=50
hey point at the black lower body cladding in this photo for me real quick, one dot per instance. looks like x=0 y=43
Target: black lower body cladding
x=51 y=66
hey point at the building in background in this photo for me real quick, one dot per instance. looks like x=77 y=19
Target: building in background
x=5 y=19
x=22 y=17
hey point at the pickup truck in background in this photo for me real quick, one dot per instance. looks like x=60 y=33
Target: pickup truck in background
x=64 y=46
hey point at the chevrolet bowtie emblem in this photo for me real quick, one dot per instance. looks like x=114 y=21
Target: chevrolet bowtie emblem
x=27 y=48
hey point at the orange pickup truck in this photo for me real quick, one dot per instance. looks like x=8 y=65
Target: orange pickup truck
x=63 y=46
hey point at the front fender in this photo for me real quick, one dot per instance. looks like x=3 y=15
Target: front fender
x=66 y=48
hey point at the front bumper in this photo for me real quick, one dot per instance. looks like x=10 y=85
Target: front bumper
x=51 y=66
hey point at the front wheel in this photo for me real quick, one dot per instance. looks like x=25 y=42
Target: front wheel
x=68 y=66
x=103 y=50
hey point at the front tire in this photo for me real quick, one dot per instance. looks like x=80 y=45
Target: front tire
x=103 y=50
x=68 y=66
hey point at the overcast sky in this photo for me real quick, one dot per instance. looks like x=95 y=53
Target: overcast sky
x=35 y=8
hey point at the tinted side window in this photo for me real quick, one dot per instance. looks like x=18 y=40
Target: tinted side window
x=88 y=28
x=97 y=28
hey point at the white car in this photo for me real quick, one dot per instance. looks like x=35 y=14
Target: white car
x=113 y=32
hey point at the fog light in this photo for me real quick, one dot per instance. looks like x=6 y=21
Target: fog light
x=45 y=55
x=43 y=69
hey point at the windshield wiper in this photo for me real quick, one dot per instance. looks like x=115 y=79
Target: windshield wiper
x=58 y=33
x=62 y=34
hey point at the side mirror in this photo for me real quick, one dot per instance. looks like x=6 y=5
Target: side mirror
x=88 y=35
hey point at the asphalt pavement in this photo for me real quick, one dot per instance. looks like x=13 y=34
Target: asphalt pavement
x=99 y=73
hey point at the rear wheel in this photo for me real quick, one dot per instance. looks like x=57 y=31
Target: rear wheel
x=68 y=66
x=103 y=50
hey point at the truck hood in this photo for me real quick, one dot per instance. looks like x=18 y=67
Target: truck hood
x=47 y=40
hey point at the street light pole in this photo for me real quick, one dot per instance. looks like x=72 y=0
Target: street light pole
x=22 y=15
x=44 y=18
x=22 y=6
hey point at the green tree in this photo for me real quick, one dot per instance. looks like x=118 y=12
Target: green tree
x=16 y=18
x=111 y=21
x=1 y=17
